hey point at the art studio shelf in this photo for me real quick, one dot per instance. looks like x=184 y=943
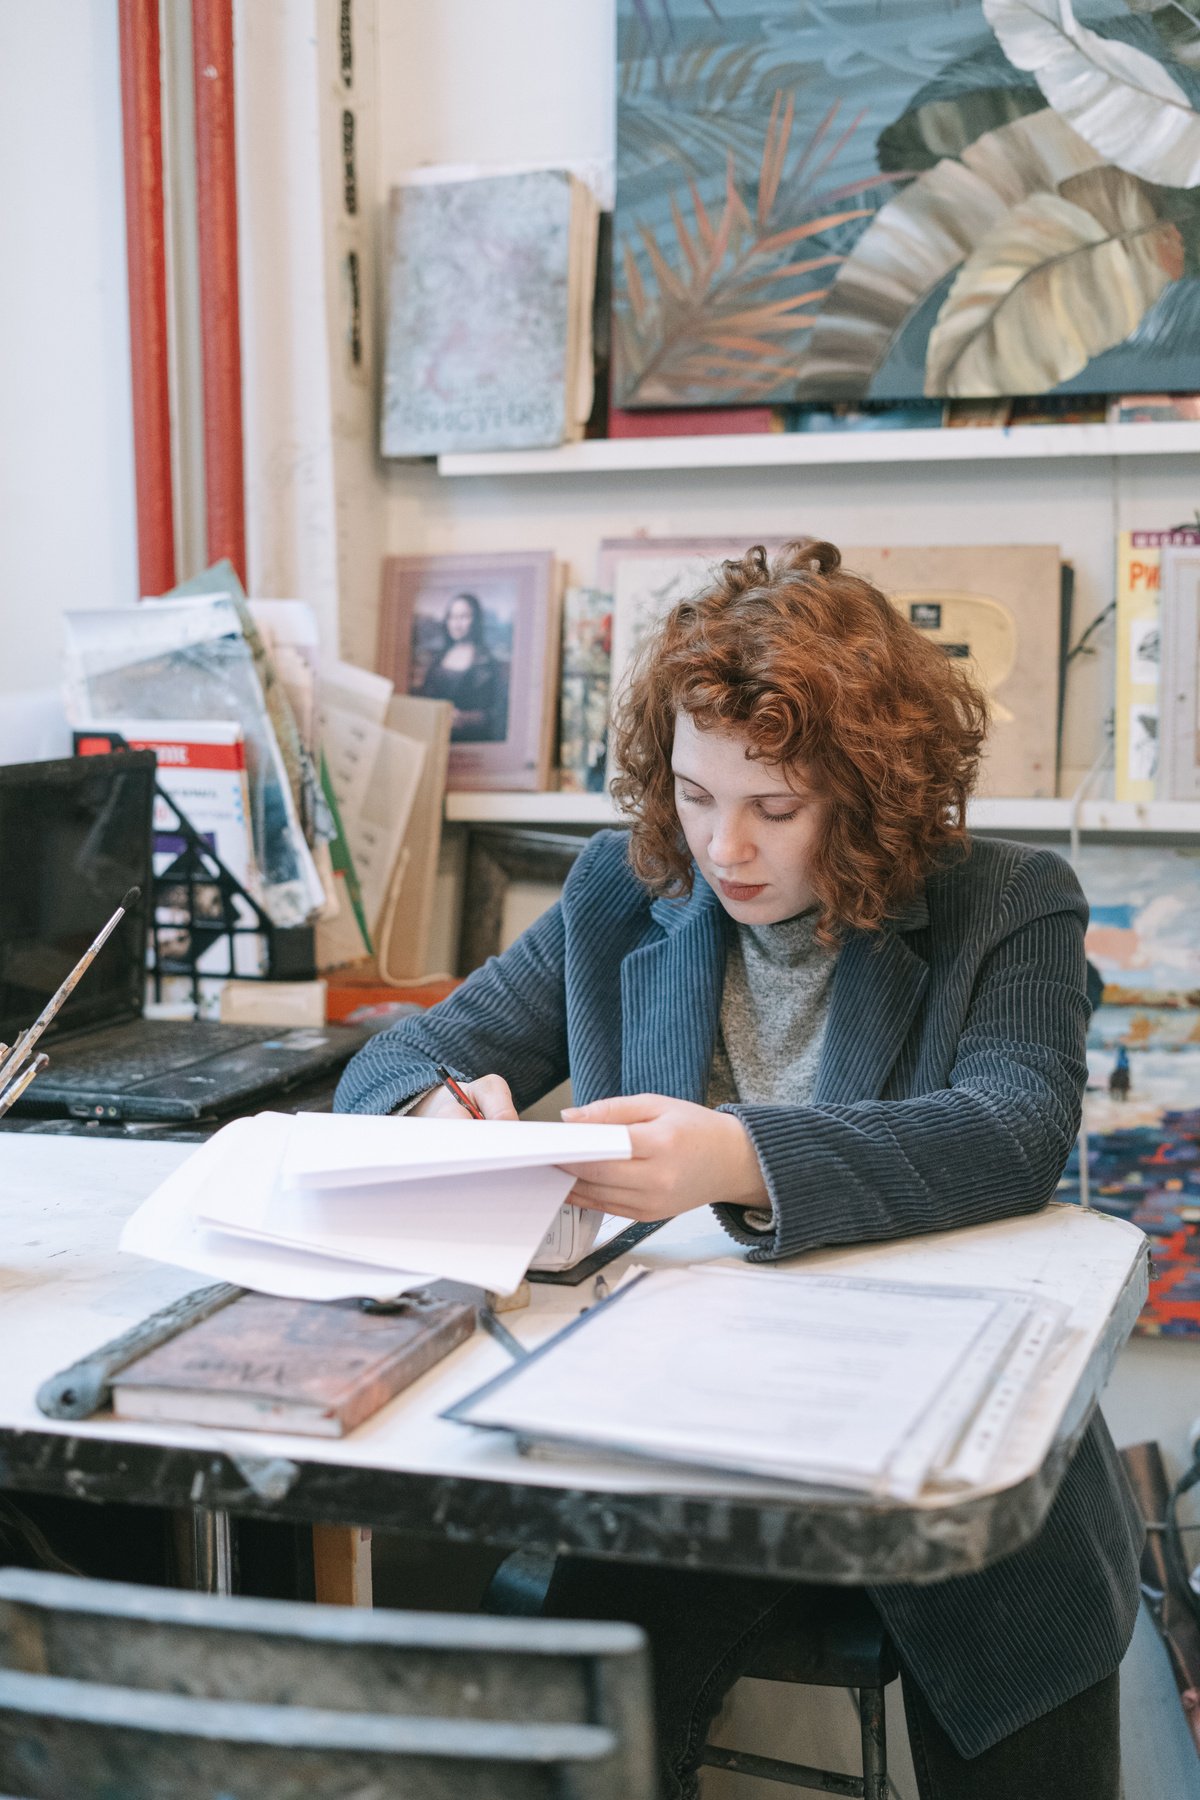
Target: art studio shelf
x=1156 y=819
x=1017 y=443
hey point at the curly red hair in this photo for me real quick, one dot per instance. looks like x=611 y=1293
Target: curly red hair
x=827 y=679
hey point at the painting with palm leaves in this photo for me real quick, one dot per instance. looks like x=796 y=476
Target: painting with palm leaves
x=883 y=199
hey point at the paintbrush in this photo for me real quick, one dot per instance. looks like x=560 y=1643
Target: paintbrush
x=12 y=1093
x=28 y=1038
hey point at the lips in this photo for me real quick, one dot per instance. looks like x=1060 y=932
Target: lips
x=737 y=890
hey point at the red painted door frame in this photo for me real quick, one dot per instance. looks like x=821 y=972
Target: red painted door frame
x=145 y=249
x=220 y=335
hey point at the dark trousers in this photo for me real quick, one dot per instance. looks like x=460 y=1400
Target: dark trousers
x=702 y=1629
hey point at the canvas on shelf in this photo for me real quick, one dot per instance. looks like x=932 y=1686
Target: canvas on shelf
x=481 y=632
x=964 y=199
x=997 y=607
x=584 y=689
x=1139 y=658
x=488 y=315
x=1179 y=706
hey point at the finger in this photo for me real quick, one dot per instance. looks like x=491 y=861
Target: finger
x=622 y=1109
x=493 y=1096
x=622 y=1177
x=621 y=1206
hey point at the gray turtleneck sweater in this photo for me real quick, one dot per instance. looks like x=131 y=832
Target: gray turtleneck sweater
x=773 y=1010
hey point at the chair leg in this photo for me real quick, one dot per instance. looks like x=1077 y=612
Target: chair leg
x=873 y=1729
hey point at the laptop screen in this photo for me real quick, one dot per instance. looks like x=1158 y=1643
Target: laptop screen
x=74 y=837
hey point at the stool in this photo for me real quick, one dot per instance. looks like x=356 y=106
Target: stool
x=824 y=1637
x=817 y=1637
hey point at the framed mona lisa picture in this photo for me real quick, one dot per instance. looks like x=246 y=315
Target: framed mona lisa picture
x=481 y=632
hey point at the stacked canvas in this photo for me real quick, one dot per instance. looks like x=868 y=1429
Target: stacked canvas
x=489 y=336
x=1002 y=609
x=1152 y=606
x=1179 y=751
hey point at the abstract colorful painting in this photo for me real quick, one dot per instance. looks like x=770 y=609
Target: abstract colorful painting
x=1144 y=934
x=1148 y=1171
x=1144 y=1132
x=884 y=199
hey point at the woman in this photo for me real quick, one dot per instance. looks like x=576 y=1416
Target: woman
x=824 y=1012
x=467 y=674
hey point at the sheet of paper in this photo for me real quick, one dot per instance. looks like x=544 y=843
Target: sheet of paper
x=165 y=1229
x=377 y=829
x=824 y=1379
x=484 y=1230
x=344 y=1150
x=351 y=689
x=351 y=744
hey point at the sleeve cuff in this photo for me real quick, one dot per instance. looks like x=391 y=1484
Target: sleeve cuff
x=406 y=1106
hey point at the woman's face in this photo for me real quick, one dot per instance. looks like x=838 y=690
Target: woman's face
x=460 y=617
x=751 y=827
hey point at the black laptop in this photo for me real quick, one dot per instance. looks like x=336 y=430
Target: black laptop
x=75 y=835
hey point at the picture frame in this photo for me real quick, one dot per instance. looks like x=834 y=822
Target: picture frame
x=497 y=856
x=481 y=631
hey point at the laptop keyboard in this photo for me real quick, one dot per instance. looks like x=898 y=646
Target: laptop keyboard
x=124 y=1056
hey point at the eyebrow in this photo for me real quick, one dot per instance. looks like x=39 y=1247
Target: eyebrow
x=769 y=794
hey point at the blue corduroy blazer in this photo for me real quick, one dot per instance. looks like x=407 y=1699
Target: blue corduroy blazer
x=948 y=1094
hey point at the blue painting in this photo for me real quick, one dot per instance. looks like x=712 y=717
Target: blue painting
x=824 y=200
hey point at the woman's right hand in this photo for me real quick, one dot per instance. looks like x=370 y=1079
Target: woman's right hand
x=491 y=1094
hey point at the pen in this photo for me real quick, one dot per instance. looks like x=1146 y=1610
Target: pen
x=460 y=1093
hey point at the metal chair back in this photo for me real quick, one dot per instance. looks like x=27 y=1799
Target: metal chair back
x=111 y=1689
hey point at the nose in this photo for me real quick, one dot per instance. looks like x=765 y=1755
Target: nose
x=729 y=847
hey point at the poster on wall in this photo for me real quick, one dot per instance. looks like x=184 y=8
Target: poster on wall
x=957 y=199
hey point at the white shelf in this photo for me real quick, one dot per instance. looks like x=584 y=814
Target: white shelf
x=1157 y=818
x=988 y=443
x=531 y=809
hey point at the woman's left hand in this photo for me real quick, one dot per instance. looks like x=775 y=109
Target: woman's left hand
x=683 y=1156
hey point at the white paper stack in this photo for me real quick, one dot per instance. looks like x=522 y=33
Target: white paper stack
x=325 y=1206
x=882 y=1387
x=376 y=772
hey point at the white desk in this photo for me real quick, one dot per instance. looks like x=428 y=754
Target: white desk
x=66 y=1289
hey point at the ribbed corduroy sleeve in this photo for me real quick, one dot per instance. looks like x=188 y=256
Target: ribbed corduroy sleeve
x=989 y=1145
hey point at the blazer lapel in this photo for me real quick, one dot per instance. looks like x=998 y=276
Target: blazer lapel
x=877 y=988
x=671 y=999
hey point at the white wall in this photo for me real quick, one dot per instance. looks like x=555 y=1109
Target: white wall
x=494 y=81
x=66 y=435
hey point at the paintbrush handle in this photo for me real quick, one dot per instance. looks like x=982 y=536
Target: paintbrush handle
x=28 y=1038
x=12 y=1093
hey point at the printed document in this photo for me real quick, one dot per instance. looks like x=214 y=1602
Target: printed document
x=832 y=1380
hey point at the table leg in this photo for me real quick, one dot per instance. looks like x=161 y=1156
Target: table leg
x=204 y=1550
x=342 y=1565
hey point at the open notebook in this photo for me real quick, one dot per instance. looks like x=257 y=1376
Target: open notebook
x=322 y=1206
